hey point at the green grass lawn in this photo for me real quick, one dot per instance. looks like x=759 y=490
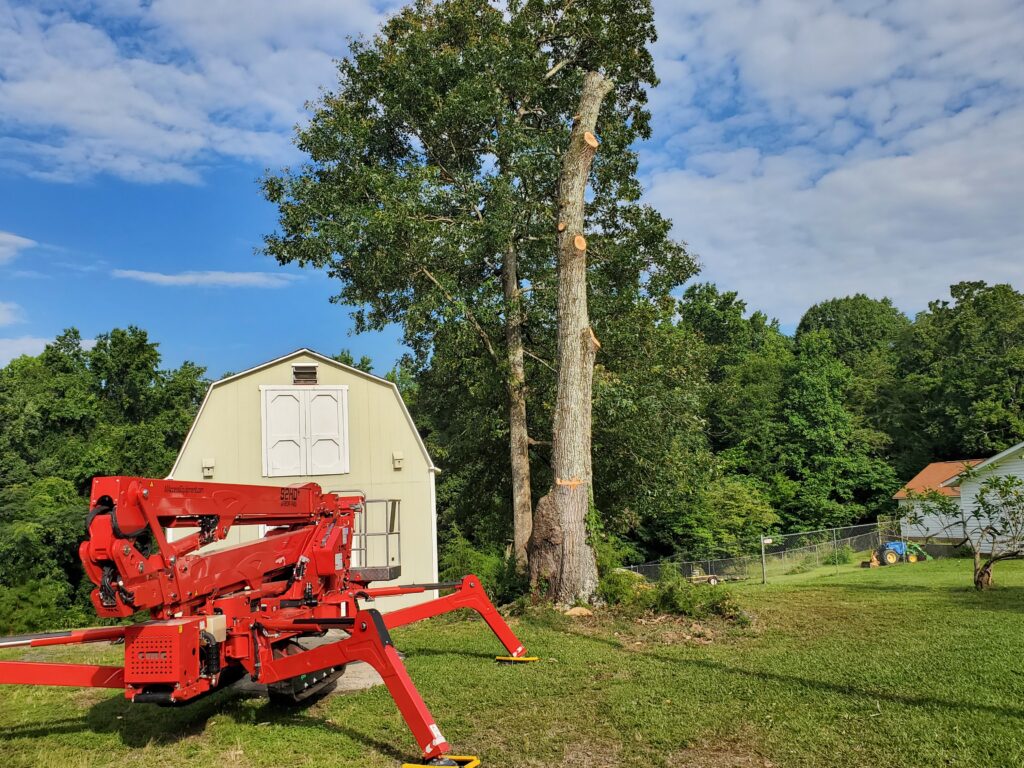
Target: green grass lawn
x=891 y=666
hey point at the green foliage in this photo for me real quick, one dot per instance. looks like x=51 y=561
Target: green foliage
x=497 y=572
x=364 y=363
x=650 y=452
x=735 y=512
x=46 y=603
x=71 y=414
x=621 y=587
x=672 y=594
x=839 y=556
x=961 y=368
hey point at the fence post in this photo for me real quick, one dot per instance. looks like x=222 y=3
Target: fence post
x=835 y=549
x=764 y=563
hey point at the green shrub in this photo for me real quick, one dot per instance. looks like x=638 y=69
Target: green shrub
x=612 y=552
x=497 y=572
x=839 y=556
x=672 y=594
x=621 y=587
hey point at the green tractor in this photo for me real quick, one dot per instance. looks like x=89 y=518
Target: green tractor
x=892 y=552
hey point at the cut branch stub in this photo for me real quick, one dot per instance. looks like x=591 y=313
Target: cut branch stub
x=590 y=140
x=561 y=226
x=580 y=243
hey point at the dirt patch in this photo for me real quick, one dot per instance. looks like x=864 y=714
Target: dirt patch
x=85 y=698
x=588 y=754
x=639 y=633
x=719 y=756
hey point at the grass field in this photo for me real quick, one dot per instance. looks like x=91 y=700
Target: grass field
x=893 y=666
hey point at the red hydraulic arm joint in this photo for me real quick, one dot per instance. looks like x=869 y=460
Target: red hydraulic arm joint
x=218 y=613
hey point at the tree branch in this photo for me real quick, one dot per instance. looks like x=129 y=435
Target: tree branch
x=469 y=312
x=556 y=69
x=542 y=361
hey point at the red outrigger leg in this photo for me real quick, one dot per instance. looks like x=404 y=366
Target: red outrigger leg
x=468 y=594
x=369 y=641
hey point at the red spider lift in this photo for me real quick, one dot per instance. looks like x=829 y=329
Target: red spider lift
x=216 y=615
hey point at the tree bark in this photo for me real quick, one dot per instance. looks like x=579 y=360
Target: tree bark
x=983 y=577
x=564 y=557
x=519 y=439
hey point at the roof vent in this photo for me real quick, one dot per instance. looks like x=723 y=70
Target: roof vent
x=304 y=373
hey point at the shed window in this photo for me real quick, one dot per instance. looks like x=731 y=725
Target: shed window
x=305 y=430
x=304 y=374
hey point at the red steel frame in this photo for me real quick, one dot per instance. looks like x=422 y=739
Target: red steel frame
x=237 y=608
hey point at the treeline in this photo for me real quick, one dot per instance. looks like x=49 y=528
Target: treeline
x=712 y=426
x=68 y=415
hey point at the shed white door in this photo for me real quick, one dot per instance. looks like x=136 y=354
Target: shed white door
x=305 y=430
x=327 y=440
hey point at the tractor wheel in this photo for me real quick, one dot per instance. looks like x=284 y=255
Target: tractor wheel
x=713 y=581
x=890 y=557
x=911 y=558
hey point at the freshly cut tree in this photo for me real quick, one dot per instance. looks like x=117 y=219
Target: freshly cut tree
x=446 y=176
x=560 y=550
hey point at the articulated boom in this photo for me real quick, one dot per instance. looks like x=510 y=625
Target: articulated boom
x=217 y=615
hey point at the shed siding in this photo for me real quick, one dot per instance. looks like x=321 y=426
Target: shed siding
x=228 y=430
x=1011 y=465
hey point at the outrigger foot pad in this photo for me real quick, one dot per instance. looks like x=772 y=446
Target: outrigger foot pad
x=447 y=760
x=516 y=659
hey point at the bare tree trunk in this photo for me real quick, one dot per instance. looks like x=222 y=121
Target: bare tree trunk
x=564 y=558
x=982 y=572
x=519 y=442
x=983 y=577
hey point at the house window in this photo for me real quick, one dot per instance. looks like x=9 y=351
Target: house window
x=304 y=374
x=305 y=430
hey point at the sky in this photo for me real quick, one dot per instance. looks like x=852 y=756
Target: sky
x=805 y=149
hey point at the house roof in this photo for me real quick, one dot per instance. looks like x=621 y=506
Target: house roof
x=321 y=358
x=1008 y=453
x=935 y=476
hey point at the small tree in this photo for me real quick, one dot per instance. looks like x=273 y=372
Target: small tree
x=993 y=527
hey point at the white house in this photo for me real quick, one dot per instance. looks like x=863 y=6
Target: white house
x=914 y=523
x=946 y=477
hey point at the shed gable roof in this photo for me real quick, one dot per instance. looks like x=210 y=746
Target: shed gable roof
x=935 y=476
x=320 y=358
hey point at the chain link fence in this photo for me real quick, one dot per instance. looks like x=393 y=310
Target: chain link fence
x=790 y=554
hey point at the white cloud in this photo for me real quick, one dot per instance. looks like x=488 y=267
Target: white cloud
x=11 y=245
x=815 y=148
x=150 y=92
x=10 y=313
x=209 y=279
x=23 y=345
x=805 y=148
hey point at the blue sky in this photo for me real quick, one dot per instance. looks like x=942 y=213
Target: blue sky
x=804 y=149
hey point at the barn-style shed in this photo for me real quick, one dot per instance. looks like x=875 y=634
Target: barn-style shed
x=307 y=418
